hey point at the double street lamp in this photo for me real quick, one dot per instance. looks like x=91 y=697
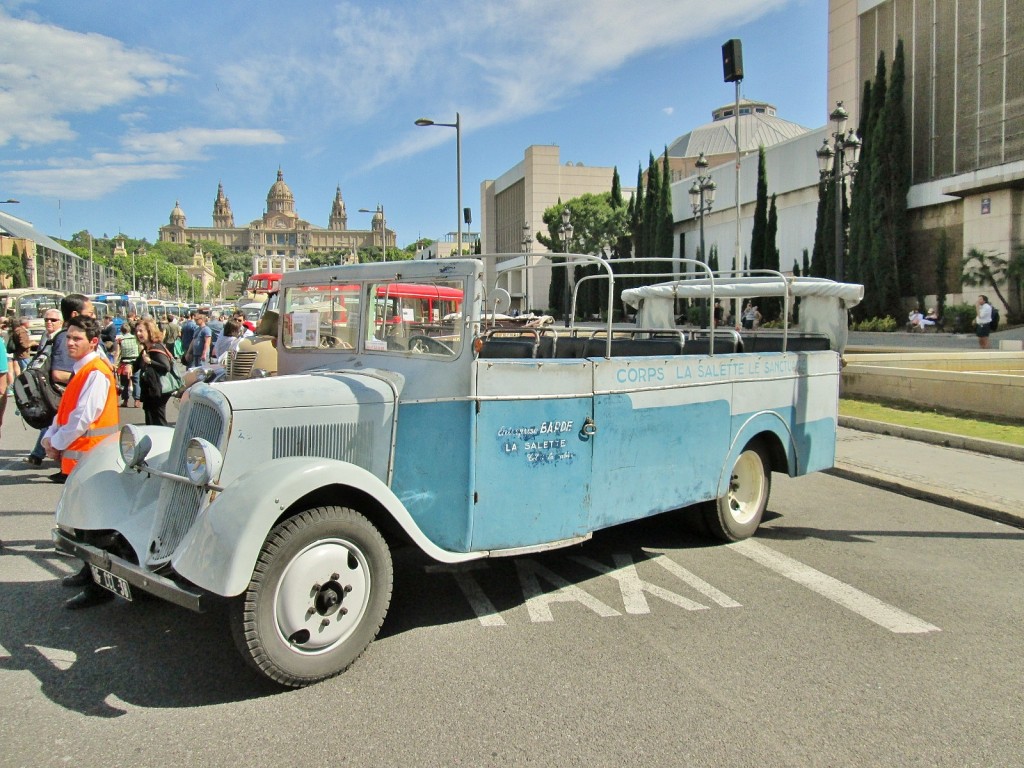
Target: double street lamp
x=565 y=231
x=702 y=197
x=839 y=161
x=383 y=229
x=457 y=125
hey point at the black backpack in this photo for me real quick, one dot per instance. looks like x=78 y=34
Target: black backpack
x=995 y=319
x=35 y=395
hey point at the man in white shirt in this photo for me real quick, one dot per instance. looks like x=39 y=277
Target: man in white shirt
x=87 y=415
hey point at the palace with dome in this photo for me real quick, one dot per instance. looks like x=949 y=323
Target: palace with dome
x=280 y=240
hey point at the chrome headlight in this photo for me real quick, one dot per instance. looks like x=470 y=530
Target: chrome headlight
x=134 y=445
x=259 y=373
x=202 y=461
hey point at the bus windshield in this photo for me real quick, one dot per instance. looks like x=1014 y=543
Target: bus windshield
x=401 y=317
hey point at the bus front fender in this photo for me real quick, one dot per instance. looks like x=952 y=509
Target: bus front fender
x=219 y=553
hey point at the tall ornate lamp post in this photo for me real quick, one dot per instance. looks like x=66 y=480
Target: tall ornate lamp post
x=839 y=161
x=383 y=229
x=566 y=232
x=702 y=198
x=457 y=125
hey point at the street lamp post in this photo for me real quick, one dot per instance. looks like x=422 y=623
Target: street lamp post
x=702 y=198
x=566 y=232
x=839 y=161
x=457 y=125
x=383 y=229
x=527 y=244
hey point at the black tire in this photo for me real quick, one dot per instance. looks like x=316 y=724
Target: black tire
x=736 y=515
x=317 y=598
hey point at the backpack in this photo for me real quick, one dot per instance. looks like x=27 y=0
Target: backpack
x=129 y=348
x=995 y=319
x=35 y=395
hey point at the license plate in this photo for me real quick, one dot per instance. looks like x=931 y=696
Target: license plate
x=115 y=584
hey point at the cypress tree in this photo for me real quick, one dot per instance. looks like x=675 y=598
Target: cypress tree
x=796 y=299
x=896 y=185
x=771 y=306
x=757 y=237
x=860 y=205
x=652 y=221
x=665 y=209
x=637 y=224
x=816 y=266
x=879 y=279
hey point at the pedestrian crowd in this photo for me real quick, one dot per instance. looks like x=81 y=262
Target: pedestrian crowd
x=94 y=368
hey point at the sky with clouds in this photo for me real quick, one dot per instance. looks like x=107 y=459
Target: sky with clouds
x=111 y=111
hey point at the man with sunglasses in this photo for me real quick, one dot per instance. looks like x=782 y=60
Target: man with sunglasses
x=54 y=344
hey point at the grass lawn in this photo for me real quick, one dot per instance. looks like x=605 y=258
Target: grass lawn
x=927 y=419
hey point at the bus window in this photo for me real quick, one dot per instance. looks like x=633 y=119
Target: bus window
x=321 y=316
x=407 y=318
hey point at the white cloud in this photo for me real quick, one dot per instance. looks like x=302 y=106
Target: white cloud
x=48 y=74
x=509 y=59
x=669 y=110
x=143 y=157
x=87 y=183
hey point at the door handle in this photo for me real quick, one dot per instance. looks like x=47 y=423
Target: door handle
x=589 y=428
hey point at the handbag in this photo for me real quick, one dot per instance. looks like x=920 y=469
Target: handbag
x=170 y=381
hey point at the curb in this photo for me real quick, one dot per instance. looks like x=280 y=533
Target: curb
x=945 y=439
x=906 y=488
x=903 y=487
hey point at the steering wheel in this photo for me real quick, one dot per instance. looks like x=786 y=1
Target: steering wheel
x=426 y=344
x=333 y=342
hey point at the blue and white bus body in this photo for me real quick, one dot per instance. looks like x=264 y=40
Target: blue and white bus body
x=285 y=494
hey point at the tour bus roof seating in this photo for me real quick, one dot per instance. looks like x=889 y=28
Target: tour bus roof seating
x=796 y=342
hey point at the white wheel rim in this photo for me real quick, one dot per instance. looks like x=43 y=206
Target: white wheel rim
x=746 y=488
x=322 y=596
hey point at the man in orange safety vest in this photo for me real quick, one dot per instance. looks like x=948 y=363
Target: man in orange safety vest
x=87 y=415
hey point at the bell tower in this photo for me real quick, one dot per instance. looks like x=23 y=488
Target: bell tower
x=339 y=219
x=222 y=216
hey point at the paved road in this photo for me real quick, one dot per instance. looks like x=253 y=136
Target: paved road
x=859 y=628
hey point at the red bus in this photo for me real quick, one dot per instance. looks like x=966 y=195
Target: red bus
x=260 y=286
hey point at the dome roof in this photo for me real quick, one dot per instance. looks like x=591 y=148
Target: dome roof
x=279 y=190
x=758 y=126
x=176 y=210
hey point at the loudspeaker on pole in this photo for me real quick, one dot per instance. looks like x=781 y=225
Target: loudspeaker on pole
x=732 y=60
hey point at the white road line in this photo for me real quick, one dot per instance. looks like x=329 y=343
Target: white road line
x=695 y=581
x=871 y=608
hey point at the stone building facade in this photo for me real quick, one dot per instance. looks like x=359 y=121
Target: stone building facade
x=280 y=240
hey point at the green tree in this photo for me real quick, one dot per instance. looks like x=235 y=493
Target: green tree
x=992 y=270
x=771 y=306
x=858 y=251
x=822 y=230
x=757 y=236
x=890 y=179
x=666 y=222
x=13 y=266
x=598 y=227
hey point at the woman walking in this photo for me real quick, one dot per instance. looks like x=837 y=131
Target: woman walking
x=154 y=361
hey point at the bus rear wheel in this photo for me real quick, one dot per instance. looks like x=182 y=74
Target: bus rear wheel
x=735 y=515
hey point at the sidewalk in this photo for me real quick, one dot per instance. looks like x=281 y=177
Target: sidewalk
x=976 y=476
